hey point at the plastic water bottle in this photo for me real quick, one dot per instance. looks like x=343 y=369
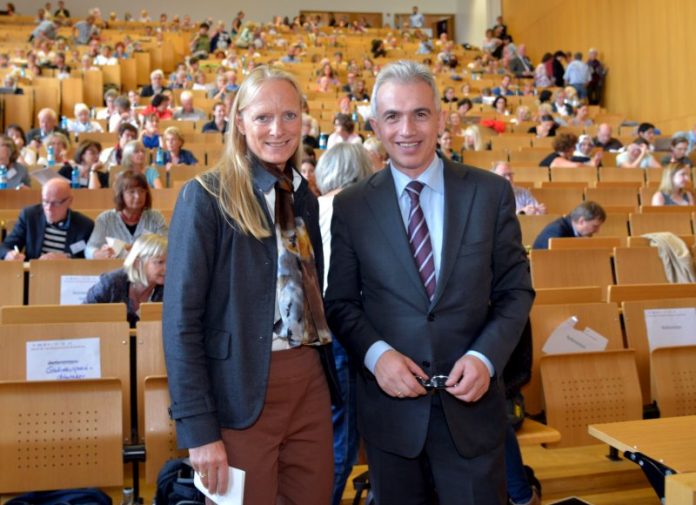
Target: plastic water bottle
x=128 y=497
x=323 y=140
x=3 y=177
x=51 y=158
x=64 y=123
x=75 y=178
x=159 y=158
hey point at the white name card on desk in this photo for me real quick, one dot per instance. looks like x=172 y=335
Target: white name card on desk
x=73 y=288
x=63 y=359
x=566 y=339
x=670 y=327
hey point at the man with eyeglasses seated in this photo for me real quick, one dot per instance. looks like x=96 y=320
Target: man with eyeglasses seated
x=49 y=230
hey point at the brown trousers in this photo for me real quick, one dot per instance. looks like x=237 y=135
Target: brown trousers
x=288 y=452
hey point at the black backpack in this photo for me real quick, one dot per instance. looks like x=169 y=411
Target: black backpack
x=83 y=496
x=175 y=484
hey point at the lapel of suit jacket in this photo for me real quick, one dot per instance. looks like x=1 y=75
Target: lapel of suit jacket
x=263 y=181
x=40 y=232
x=459 y=197
x=384 y=204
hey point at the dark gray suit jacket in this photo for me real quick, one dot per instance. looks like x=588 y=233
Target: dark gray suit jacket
x=482 y=301
x=28 y=233
x=219 y=308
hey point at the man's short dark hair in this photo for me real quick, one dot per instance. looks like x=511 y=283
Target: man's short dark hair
x=588 y=211
x=124 y=127
x=643 y=127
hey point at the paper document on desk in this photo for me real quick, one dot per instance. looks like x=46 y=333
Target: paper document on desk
x=43 y=175
x=670 y=327
x=74 y=288
x=235 y=488
x=116 y=244
x=566 y=339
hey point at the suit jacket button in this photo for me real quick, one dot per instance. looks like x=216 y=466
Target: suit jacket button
x=426 y=364
x=431 y=317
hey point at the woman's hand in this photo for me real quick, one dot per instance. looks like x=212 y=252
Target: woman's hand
x=104 y=253
x=210 y=462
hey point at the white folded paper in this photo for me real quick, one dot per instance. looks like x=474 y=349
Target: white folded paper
x=566 y=339
x=116 y=244
x=235 y=488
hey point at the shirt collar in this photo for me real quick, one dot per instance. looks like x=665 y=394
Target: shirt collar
x=265 y=180
x=433 y=177
x=65 y=223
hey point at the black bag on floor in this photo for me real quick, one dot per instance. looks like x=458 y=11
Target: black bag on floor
x=83 y=496
x=175 y=484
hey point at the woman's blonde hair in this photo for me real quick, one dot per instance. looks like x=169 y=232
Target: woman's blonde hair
x=667 y=181
x=234 y=190
x=146 y=246
x=474 y=132
x=128 y=151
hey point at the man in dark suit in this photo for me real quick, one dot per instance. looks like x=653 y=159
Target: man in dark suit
x=156 y=85
x=428 y=279
x=584 y=221
x=49 y=230
x=47 y=124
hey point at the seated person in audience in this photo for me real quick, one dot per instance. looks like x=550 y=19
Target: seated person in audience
x=135 y=159
x=187 y=112
x=159 y=105
x=92 y=172
x=605 y=141
x=82 y=122
x=520 y=65
x=344 y=131
x=583 y=150
x=448 y=96
x=156 y=85
x=504 y=89
x=180 y=79
x=675 y=186
x=48 y=121
x=582 y=116
x=123 y=113
x=200 y=43
x=637 y=155
x=87 y=63
x=10 y=86
x=472 y=139
x=113 y=155
x=546 y=128
x=584 y=221
x=559 y=104
x=150 y=136
x=678 y=147
x=500 y=105
x=308 y=169
x=132 y=217
x=105 y=56
x=464 y=106
x=218 y=91
x=445 y=146
x=522 y=115
x=140 y=280
x=25 y=155
x=219 y=122
x=109 y=97
x=174 y=153
x=358 y=92
x=49 y=230
x=376 y=152
x=17 y=174
x=646 y=131
x=525 y=203
x=61 y=145
x=563 y=147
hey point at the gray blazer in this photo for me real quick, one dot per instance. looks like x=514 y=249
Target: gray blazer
x=482 y=301
x=219 y=310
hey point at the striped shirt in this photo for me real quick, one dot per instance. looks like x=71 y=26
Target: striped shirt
x=55 y=238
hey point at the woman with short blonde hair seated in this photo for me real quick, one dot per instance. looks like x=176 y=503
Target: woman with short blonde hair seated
x=675 y=186
x=140 y=280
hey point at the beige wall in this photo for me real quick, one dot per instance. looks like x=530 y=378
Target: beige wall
x=645 y=43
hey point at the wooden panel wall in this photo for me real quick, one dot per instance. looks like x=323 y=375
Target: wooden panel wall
x=645 y=43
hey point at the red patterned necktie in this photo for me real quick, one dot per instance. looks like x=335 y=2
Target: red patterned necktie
x=419 y=239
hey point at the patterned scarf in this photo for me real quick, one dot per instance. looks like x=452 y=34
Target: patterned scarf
x=302 y=320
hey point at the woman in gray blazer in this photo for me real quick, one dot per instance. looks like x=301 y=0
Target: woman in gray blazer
x=243 y=316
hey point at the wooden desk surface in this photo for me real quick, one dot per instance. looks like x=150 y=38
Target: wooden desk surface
x=670 y=441
x=535 y=433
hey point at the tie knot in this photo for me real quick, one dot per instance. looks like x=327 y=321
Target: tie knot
x=414 y=189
